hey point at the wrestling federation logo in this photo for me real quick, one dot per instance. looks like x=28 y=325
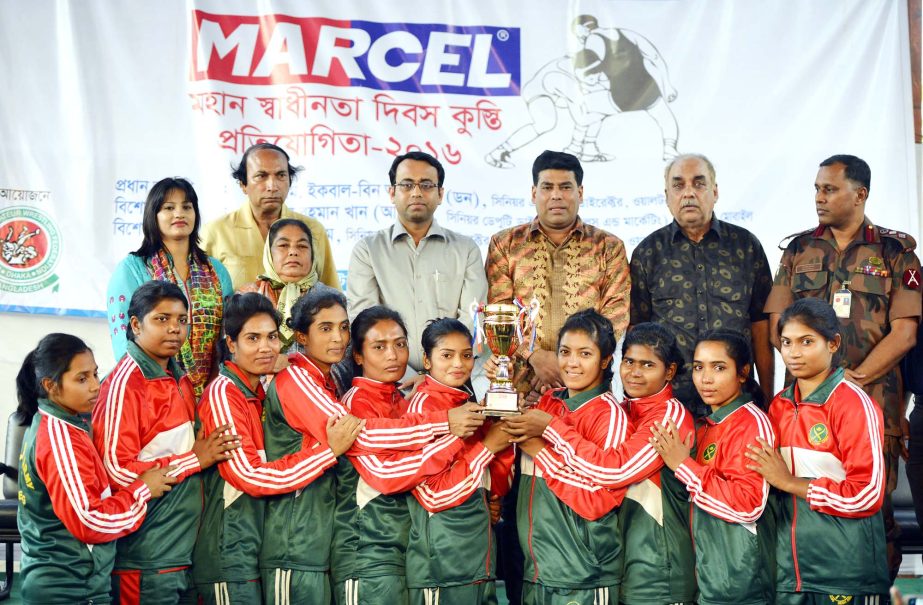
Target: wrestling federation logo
x=31 y=248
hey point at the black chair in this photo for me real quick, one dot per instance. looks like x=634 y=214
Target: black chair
x=9 y=504
x=905 y=515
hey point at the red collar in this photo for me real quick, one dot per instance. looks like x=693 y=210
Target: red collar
x=431 y=385
x=441 y=396
x=377 y=399
x=658 y=398
x=233 y=367
x=302 y=362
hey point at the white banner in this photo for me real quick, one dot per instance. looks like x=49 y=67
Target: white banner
x=103 y=99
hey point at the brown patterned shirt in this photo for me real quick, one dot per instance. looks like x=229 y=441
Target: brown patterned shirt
x=588 y=270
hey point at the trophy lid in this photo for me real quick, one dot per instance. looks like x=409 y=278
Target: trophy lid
x=501 y=309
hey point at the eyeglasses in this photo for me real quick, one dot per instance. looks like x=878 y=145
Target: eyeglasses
x=408 y=186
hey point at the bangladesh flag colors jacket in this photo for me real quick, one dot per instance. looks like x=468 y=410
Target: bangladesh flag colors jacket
x=451 y=540
x=298 y=403
x=145 y=418
x=372 y=520
x=235 y=490
x=68 y=517
x=568 y=525
x=734 y=541
x=833 y=542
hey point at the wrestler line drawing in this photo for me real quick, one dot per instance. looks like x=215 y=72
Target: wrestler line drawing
x=615 y=71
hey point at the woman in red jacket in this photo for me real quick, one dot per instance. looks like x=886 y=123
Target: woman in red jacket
x=831 y=545
x=451 y=555
x=734 y=541
x=67 y=518
x=299 y=405
x=372 y=518
x=145 y=420
x=226 y=556
x=656 y=508
x=568 y=523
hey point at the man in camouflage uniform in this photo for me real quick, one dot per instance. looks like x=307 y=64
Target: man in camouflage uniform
x=872 y=278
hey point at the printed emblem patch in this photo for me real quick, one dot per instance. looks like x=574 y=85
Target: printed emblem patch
x=840 y=599
x=710 y=452
x=818 y=434
x=912 y=278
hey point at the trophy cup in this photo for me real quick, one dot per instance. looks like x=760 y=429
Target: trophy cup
x=503 y=328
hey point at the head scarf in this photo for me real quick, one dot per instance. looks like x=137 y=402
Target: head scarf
x=289 y=293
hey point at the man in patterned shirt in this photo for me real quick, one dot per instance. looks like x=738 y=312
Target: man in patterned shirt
x=565 y=263
x=872 y=278
x=699 y=273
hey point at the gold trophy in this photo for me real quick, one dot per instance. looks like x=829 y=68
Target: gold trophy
x=504 y=327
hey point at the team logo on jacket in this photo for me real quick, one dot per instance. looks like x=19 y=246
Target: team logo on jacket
x=31 y=246
x=840 y=599
x=817 y=435
x=710 y=450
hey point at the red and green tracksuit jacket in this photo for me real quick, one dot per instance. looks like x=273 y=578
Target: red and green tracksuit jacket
x=451 y=540
x=659 y=560
x=568 y=525
x=833 y=542
x=68 y=518
x=372 y=520
x=298 y=403
x=228 y=546
x=734 y=541
x=144 y=419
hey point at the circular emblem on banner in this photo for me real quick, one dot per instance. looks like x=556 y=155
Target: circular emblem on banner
x=31 y=247
x=818 y=434
x=710 y=450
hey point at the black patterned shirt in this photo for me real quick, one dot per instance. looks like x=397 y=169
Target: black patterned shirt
x=720 y=282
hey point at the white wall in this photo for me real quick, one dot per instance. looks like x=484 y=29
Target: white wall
x=21 y=332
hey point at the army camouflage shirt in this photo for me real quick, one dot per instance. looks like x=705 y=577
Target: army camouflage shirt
x=720 y=282
x=883 y=276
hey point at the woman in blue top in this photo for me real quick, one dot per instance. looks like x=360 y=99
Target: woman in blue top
x=170 y=252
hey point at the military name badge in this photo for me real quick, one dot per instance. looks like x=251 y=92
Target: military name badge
x=912 y=278
x=818 y=434
x=710 y=452
x=842 y=300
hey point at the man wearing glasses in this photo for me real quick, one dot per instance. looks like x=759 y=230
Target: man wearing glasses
x=416 y=266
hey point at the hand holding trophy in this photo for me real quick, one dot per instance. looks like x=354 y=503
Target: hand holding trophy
x=504 y=327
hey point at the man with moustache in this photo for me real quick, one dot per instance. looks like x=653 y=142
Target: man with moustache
x=871 y=277
x=564 y=263
x=265 y=175
x=699 y=273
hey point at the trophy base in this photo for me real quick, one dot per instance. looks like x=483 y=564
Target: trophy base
x=501 y=404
